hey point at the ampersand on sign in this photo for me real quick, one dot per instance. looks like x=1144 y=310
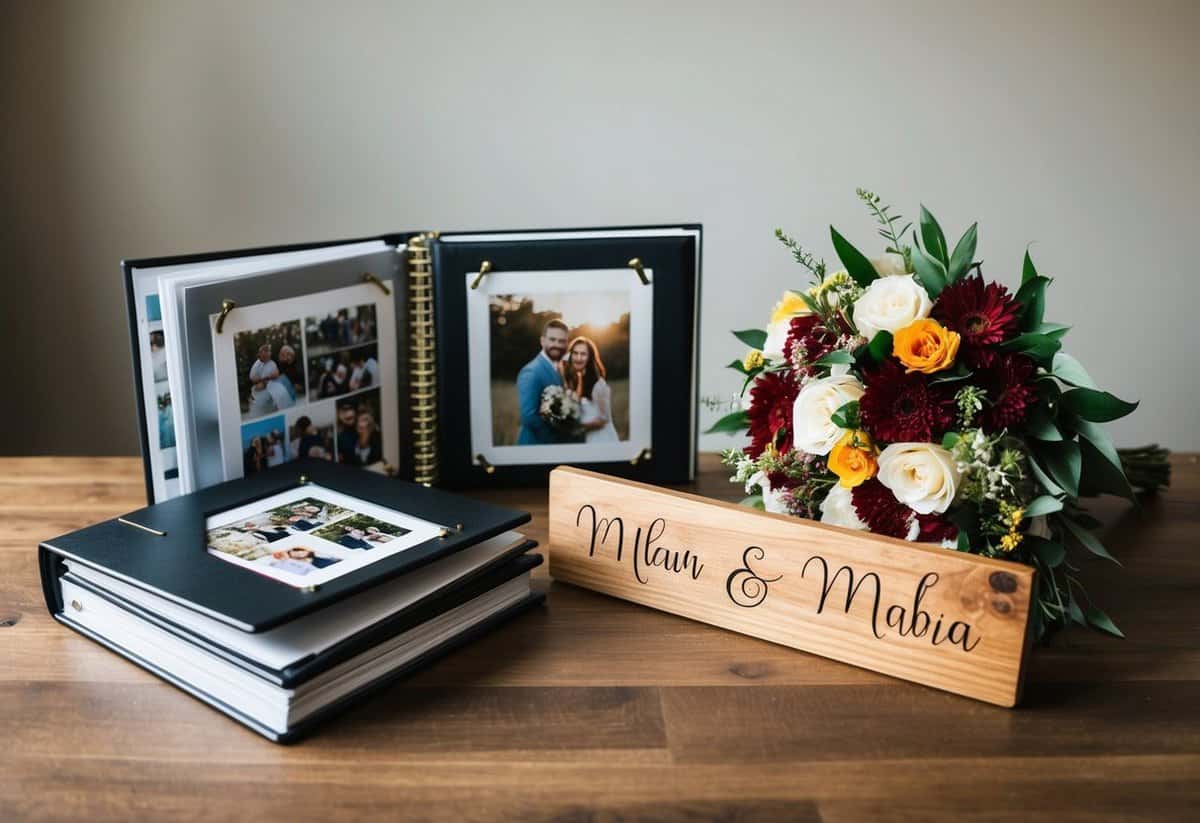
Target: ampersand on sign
x=744 y=587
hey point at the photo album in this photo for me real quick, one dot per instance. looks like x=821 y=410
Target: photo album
x=454 y=359
x=283 y=597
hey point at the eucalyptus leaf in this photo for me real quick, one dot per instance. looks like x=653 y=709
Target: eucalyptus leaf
x=1039 y=426
x=1050 y=553
x=840 y=356
x=1095 y=405
x=857 y=265
x=754 y=338
x=935 y=240
x=1100 y=475
x=1028 y=272
x=1041 y=347
x=963 y=255
x=1074 y=610
x=1032 y=297
x=1103 y=622
x=731 y=423
x=1063 y=462
x=1044 y=479
x=1045 y=504
x=930 y=272
x=1069 y=370
x=1088 y=540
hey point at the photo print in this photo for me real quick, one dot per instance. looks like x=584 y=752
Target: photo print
x=268 y=364
x=310 y=535
x=331 y=375
x=566 y=366
x=263 y=444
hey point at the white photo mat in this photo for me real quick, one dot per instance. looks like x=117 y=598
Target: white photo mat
x=348 y=560
x=479 y=358
x=319 y=304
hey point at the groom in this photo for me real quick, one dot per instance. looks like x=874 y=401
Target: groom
x=534 y=377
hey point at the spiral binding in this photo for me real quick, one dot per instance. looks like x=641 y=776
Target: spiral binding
x=422 y=361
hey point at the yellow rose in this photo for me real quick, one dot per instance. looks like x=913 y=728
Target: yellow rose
x=788 y=306
x=853 y=459
x=925 y=346
x=754 y=359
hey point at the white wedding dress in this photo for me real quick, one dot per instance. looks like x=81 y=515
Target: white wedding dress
x=599 y=405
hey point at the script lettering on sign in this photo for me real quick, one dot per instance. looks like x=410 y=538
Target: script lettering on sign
x=951 y=620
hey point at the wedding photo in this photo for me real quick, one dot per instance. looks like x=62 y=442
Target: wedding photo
x=341 y=329
x=269 y=372
x=360 y=531
x=344 y=371
x=359 y=436
x=263 y=444
x=559 y=368
x=311 y=431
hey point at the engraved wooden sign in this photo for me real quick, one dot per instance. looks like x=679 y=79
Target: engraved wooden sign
x=935 y=616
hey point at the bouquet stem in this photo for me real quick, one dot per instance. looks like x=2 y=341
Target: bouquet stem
x=1147 y=467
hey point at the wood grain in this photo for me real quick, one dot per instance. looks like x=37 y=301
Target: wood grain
x=945 y=619
x=598 y=709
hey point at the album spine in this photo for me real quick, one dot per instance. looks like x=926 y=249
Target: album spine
x=422 y=361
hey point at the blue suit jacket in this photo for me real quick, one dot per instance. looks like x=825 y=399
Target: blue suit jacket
x=532 y=380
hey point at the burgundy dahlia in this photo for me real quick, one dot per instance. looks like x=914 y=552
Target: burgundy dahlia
x=1008 y=381
x=876 y=506
x=984 y=315
x=904 y=408
x=808 y=339
x=770 y=413
x=934 y=528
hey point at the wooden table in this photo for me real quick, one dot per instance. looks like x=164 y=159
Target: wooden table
x=595 y=708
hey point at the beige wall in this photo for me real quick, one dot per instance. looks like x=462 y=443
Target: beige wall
x=135 y=129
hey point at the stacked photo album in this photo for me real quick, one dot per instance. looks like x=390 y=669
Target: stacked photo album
x=286 y=596
x=454 y=359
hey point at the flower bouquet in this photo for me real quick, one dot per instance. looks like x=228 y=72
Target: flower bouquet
x=560 y=409
x=908 y=396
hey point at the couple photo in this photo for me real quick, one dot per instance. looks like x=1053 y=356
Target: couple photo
x=562 y=392
x=270 y=376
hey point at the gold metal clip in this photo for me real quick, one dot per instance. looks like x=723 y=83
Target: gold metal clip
x=636 y=265
x=370 y=278
x=227 y=306
x=484 y=268
x=154 y=532
x=480 y=460
x=643 y=455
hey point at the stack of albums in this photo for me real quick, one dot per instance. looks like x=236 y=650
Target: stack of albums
x=462 y=360
x=284 y=597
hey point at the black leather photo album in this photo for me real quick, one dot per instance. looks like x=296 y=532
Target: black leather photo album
x=453 y=359
x=283 y=597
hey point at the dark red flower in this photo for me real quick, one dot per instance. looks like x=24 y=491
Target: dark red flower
x=1008 y=381
x=808 y=339
x=935 y=528
x=770 y=413
x=983 y=314
x=876 y=506
x=904 y=408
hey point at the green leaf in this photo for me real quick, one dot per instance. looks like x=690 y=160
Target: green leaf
x=1044 y=479
x=1100 y=474
x=1028 y=272
x=930 y=272
x=1057 y=330
x=840 y=356
x=731 y=423
x=1039 y=426
x=1073 y=609
x=964 y=254
x=1063 y=462
x=754 y=338
x=738 y=366
x=1050 y=553
x=1032 y=297
x=846 y=417
x=875 y=352
x=754 y=501
x=1069 y=370
x=1041 y=347
x=1095 y=405
x=935 y=240
x=964 y=541
x=1043 y=505
x=857 y=265
x=949 y=439
x=810 y=302
x=1103 y=622
x=1088 y=540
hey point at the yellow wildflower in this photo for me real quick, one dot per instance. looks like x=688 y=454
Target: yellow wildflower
x=754 y=359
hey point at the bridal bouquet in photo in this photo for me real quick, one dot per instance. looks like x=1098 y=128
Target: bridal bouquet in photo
x=908 y=396
x=560 y=409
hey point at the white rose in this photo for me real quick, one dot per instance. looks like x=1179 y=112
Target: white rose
x=813 y=429
x=922 y=476
x=773 y=501
x=890 y=304
x=837 y=509
x=789 y=306
x=889 y=265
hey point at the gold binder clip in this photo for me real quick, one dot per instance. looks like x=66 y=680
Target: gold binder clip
x=480 y=460
x=154 y=532
x=370 y=278
x=227 y=306
x=447 y=531
x=636 y=265
x=643 y=455
x=484 y=268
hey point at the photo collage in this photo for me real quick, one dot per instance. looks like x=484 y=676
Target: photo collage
x=310 y=538
x=164 y=415
x=310 y=387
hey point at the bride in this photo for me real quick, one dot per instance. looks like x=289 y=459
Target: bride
x=585 y=374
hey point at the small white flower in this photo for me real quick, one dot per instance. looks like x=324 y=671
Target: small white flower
x=890 y=304
x=837 y=509
x=773 y=501
x=922 y=476
x=813 y=429
x=889 y=265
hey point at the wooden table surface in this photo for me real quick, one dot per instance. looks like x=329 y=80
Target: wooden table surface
x=593 y=708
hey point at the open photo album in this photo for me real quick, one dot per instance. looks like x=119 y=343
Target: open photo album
x=454 y=359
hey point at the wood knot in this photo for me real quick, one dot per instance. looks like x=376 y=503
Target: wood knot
x=750 y=671
x=1003 y=582
x=1001 y=605
x=9 y=619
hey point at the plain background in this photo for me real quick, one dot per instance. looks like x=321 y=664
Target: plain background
x=134 y=129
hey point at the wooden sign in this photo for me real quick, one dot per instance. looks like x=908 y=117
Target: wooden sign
x=931 y=615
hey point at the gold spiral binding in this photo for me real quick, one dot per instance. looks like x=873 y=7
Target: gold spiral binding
x=422 y=363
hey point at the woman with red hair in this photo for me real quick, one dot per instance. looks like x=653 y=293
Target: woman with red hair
x=584 y=374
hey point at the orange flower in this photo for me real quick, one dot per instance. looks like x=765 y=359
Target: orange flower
x=853 y=459
x=925 y=346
